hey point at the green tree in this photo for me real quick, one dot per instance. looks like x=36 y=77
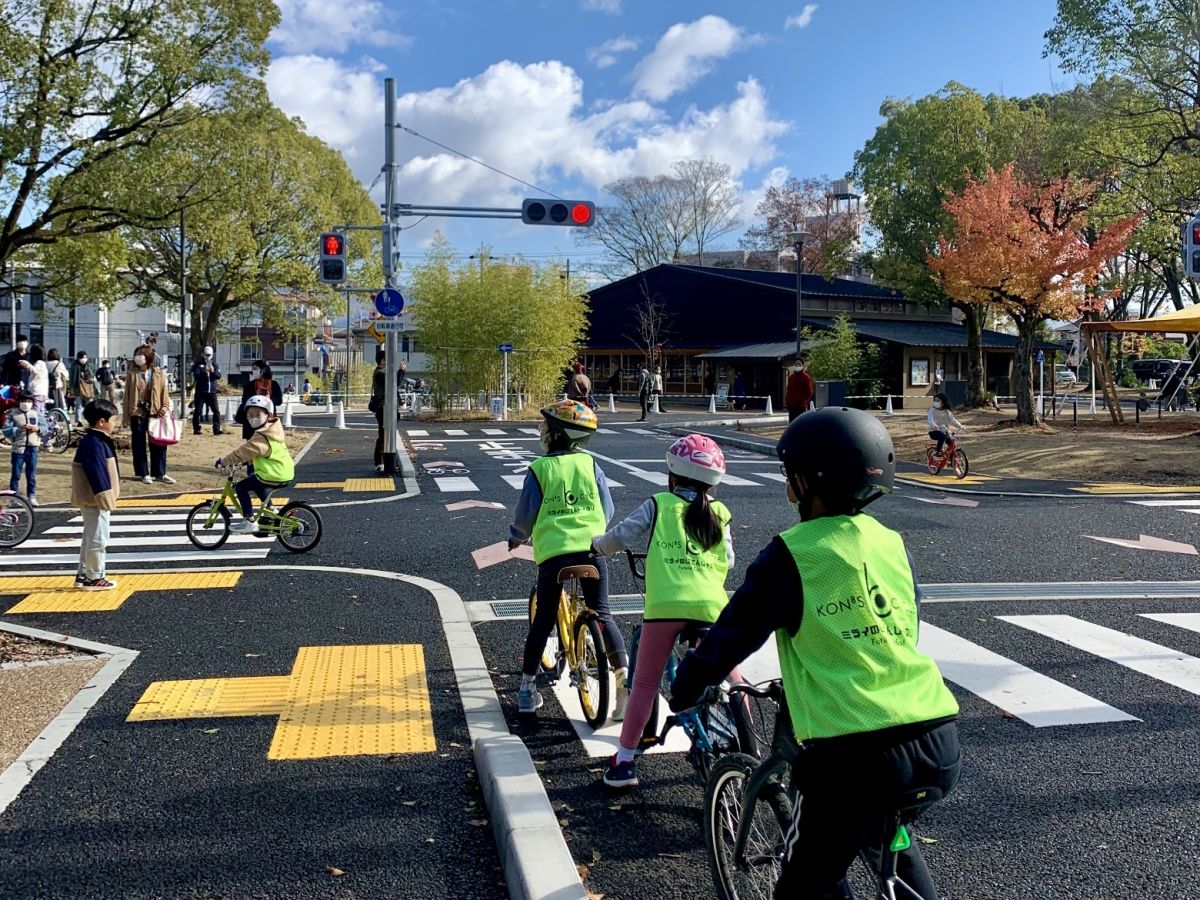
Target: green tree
x=836 y=354
x=88 y=88
x=463 y=313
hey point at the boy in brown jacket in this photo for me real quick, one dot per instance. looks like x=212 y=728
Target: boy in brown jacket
x=95 y=487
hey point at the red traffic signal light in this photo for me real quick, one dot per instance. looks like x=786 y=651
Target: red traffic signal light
x=333 y=244
x=581 y=213
x=1196 y=234
x=572 y=213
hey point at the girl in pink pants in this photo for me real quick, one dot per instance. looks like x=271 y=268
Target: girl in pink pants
x=689 y=553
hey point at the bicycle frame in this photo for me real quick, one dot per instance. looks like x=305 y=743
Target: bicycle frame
x=265 y=517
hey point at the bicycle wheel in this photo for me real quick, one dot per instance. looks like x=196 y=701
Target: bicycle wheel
x=208 y=529
x=931 y=460
x=961 y=466
x=299 y=527
x=59 y=431
x=724 y=796
x=552 y=660
x=16 y=520
x=591 y=678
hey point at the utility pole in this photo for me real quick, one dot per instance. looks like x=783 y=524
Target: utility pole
x=391 y=459
x=182 y=309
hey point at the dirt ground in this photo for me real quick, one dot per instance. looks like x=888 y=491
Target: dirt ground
x=190 y=462
x=1158 y=451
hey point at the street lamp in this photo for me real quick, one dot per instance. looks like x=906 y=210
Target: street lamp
x=798 y=238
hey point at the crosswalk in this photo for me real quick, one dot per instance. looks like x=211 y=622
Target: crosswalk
x=134 y=538
x=1179 y=504
x=458 y=484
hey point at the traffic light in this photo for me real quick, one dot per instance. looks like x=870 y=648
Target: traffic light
x=333 y=257
x=572 y=213
x=1191 y=247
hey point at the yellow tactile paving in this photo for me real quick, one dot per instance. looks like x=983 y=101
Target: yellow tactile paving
x=338 y=701
x=211 y=698
x=57 y=594
x=320 y=485
x=369 y=484
x=947 y=478
x=182 y=501
x=1119 y=488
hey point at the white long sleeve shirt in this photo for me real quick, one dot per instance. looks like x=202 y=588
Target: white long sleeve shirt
x=942 y=419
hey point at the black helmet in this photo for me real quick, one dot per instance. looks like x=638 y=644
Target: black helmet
x=845 y=455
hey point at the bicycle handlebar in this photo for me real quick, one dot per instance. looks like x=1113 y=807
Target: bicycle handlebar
x=637 y=564
x=773 y=690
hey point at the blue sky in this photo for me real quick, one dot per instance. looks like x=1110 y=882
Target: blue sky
x=570 y=94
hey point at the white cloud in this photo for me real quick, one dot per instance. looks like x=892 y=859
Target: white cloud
x=613 y=7
x=530 y=121
x=308 y=25
x=606 y=54
x=802 y=20
x=685 y=54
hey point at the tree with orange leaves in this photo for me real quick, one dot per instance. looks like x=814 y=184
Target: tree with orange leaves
x=1026 y=249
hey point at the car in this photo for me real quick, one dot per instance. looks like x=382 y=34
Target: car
x=1157 y=369
x=1064 y=374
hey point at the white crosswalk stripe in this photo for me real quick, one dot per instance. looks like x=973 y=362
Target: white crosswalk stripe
x=639 y=431
x=774 y=476
x=494 y=431
x=735 y=481
x=456 y=432
x=530 y=431
x=455 y=483
x=418 y=432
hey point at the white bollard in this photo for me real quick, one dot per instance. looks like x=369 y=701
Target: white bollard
x=612 y=403
x=1092 y=405
x=888 y=410
x=229 y=408
x=812 y=404
x=416 y=408
x=712 y=404
x=565 y=397
x=655 y=409
x=287 y=415
x=341 y=416
x=770 y=409
x=328 y=404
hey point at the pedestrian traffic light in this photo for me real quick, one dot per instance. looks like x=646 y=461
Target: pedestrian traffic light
x=572 y=213
x=1191 y=247
x=333 y=257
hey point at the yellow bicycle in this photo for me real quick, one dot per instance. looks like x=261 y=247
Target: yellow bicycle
x=577 y=646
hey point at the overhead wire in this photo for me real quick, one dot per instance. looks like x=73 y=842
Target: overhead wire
x=480 y=162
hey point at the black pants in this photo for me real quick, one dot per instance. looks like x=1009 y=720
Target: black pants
x=844 y=785
x=644 y=399
x=245 y=488
x=202 y=402
x=941 y=437
x=595 y=594
x=793 y=412
x=138 y=431
x=379 y=439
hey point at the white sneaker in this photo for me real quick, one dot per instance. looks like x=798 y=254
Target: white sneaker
x=243 y=526
x=167 y=479
x=379 y=468
x=146 y=479
x=621 y=700
x=33 y=501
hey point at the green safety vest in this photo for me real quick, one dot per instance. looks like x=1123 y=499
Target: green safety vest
x=853 y=666
x=277 y=466
x=683 y=580
x=571 y=513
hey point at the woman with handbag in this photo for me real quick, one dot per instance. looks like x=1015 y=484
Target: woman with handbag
x=261 y=385
x=146 y=399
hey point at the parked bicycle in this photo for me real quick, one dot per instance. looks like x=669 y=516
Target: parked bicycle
x=748 y=807
x=56 y=430
x=951 y=455
x=297 y=526
x=577 y=645
x=720 y=724
x=16 y=519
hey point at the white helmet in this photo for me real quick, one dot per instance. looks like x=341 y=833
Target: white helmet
x=260 y=402
x=697 y=457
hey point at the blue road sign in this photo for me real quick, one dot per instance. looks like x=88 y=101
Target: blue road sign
x=1041 y=357
x=506 y=348
x=389 y=302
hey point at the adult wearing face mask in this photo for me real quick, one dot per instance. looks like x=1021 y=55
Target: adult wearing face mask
x=261 y=384
x=34 y=367
x=56 y=371
x=146 y=398
x=12 y=372
x=205 y=375
x=82 y=385
x=800 y=390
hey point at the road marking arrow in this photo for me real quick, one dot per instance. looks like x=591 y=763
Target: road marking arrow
x=948 y=501
x=498 y=553
x=1146 y=542
x=471 y=504
x=441 y=463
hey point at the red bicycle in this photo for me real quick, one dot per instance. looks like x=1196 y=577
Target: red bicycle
x=951 y=455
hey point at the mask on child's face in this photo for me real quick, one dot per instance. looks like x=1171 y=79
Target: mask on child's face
x=83 y=360
x=256 y=422
x=139 y=360
x=257 y=373
x=26 y=407
x=937 y=404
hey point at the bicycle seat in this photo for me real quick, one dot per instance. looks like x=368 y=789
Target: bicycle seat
x=565 y=575
x=912 y=803
x=277 y=485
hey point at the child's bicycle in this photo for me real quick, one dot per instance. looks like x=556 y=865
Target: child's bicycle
x=577 y=646
x=951 y=455
x=56 y=430
x=748 y=807
x=719 y=724
x=16 y=519
x=297 y=525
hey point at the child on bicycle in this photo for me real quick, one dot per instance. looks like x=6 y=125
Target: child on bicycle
x=267 y=451
x=940 y=420
x=838 y=591
x=24 y=430
x=564 y=501
x=689 y=552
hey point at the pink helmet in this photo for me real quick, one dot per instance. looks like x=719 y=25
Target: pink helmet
x=698 y=458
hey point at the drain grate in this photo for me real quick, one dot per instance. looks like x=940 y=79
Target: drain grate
x=519 y=609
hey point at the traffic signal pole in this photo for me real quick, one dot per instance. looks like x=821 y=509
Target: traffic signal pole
x=391 y=459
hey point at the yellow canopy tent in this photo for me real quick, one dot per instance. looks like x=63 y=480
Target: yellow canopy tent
x=1179 y=321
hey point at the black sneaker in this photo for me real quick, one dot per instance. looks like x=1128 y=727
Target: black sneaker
x=97 y=584
x=620 y=775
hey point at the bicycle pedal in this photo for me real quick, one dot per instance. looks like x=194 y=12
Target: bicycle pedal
x=264 y=534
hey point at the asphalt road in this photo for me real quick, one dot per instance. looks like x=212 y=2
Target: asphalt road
x=174 y=809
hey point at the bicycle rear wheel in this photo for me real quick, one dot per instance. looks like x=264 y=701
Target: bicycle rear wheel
x=206 y=534
x=299 y=527
x=552 y=661
x=59 y=431
x=592 y=674
x=16 y=520
x=961 y=466
x=724 y=796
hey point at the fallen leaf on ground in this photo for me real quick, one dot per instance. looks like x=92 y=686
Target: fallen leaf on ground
x=253 y=655
x=596 y=857
x=927 y=840
x=334 y=871
x=670 y=856
x=429 y=840
x=410 y=802
x=478 y=823
x=210 y=730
